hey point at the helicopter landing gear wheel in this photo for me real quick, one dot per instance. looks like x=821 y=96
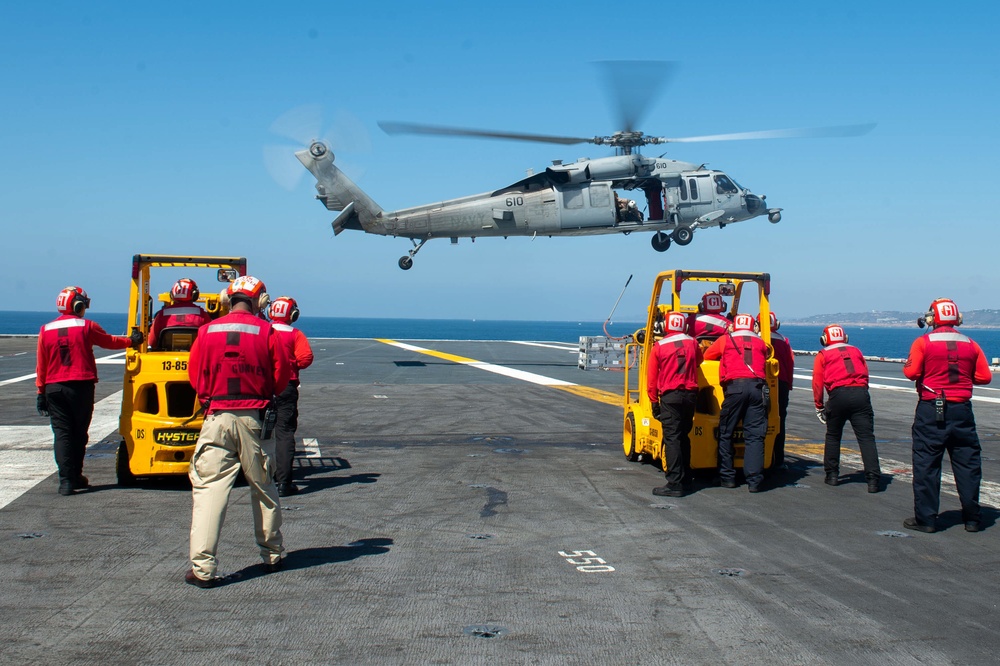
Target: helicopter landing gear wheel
x=682 y=235
x=406 y=263
x=660 y=241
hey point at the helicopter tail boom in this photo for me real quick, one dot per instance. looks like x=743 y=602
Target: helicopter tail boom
x=339 y=193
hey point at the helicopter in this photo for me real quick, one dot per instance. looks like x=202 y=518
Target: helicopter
x=568 y=199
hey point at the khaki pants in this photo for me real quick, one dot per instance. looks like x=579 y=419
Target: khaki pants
x=230 y=440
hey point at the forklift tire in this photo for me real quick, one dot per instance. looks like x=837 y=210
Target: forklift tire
x=631 y=454
x=126 y=478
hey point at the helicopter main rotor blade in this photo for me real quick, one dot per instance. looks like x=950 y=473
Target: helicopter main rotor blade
x=801 y=133
x=634 y=85
x=392 y=127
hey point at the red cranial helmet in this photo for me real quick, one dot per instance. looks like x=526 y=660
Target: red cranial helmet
x=185 y=291
x=744 y=322
x=833 y=334
x=774 y=322
x=943 y=312
x=712 y=302
x=72 y=301
x=676 y=323
x=284 y=309
x=246 y=288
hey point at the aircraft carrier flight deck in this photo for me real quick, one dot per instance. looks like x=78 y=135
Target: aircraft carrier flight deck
x=470 y=503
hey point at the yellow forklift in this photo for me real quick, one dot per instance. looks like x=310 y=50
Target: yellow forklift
x=161 y=417
x=642 y=435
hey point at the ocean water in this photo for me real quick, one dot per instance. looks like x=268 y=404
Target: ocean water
x=873 y=341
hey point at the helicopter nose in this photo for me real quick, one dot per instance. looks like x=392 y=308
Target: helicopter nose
x=755 y=205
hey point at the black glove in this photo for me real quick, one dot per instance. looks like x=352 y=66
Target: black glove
x=656 y=410
x=136 y=338
x=42 y=405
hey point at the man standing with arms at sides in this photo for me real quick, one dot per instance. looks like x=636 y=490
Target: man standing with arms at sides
x=840 y=368
x=672 y=385
x=945 y=365
x=786 y=369
x=284 y=312
x=66 y=375
x=237 y=365
x=742 y=357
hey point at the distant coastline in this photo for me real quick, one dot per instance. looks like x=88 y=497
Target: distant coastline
x=985 y=319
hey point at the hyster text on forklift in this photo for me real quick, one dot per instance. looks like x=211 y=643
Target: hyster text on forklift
x=641 y=433
x=161 y=417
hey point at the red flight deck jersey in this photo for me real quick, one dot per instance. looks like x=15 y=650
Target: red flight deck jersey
x=786 y=358
x=735 y=352
x=238 y=362
x=838 y=365
x=673 y=364
x=182 y=314
x=296 y=348
x=946 y=361
x=708 y=325
x=66 y=350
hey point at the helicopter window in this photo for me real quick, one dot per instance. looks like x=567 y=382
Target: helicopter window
x=600 y=197
x=723 y=185
x=693 y=182
x=572 y=198
x=684 y=190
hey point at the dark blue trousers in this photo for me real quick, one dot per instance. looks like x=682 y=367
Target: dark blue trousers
x=677 y=416
x=778 y=454
x=286 y=404
x=956 y=435
x=71 y=407
x=743 y=401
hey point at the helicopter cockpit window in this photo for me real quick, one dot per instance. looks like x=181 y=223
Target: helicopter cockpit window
x=723 y=185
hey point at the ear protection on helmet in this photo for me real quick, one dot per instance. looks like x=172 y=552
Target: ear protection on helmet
x=774 y=322
x=942 y=312
x=185 y=290
x=285 y=309
x=248 y=289
x=711 y=302
x=676 y=323
x=72 y=300
x=833 y=334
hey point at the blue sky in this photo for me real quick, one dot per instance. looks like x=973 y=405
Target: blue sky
x=134 y=127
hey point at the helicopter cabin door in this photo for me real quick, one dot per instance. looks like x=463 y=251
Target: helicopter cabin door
x=697 y=194
x=587 y=205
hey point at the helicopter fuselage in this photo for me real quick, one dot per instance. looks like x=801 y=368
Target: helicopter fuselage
x=576 y=199
x=579 y=199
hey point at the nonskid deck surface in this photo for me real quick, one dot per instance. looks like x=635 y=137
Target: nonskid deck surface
x=473 y=505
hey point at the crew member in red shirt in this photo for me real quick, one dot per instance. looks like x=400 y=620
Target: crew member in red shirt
x=841 y=370
x=786 y=369
x=284 y=312
x=183 y=311
x=672 y=386
x=945 y=365
x=66 y=375
x=742 y=356
x=709 y=322
x=237 y=365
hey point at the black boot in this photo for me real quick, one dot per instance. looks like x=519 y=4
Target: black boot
x=874 y=484
x=832 y=478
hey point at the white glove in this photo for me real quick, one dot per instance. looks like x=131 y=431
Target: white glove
x=821 y=415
